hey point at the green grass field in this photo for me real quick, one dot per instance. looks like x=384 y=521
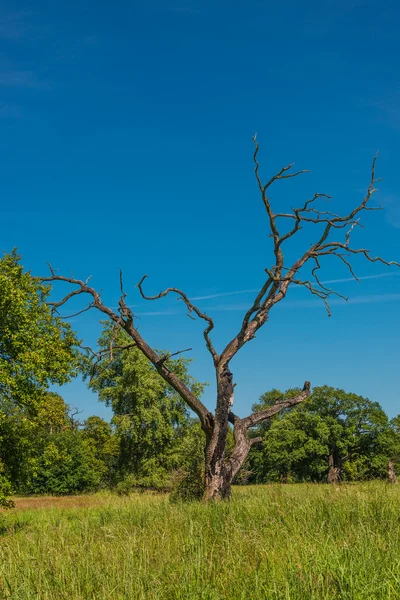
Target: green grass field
x=295 y=542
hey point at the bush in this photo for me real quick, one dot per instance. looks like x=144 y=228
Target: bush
x=67 y=465
x=190 y=484
x=5 y=492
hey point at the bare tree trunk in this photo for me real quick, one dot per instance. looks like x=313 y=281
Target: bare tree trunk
x=217 y=472
x=217 y=477
x=391 y=474
x=220 y=471
x=334 y=472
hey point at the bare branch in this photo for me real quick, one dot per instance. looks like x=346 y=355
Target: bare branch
x=102 y=353
x=256 y=440
x=167 y=357
x=77 y=313
x=125 y=321
x=330 y=249
x=262 y=415
x=348 y=265
x=56 y=305
x=191 y=309
x=275 y=288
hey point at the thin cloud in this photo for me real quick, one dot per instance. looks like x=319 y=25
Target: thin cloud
x=388 y=109
x=160 y=313
x=361 y=278
x=222 y=294
x=315 y=303
x=369 y=299
x=328 y=281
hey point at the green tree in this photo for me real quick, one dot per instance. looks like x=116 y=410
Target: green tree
x=51 y=413
x=358 y=433
x=189 y=475
x=393 y=443
x=42 y=452
x=149 y=415
x=294 y=448
x=332 y=434
x=36 y=348
x=5 y=489
x=17 y=442
x=66 y=463
x=106 y=443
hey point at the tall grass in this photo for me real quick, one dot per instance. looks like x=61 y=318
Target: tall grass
x=297 y=542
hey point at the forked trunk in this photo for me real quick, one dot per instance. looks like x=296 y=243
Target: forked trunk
x=220 y=470
x=217 y=473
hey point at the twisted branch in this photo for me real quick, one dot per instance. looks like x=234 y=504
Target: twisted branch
x=261 y=415
x=124 y=319
x=191 y=308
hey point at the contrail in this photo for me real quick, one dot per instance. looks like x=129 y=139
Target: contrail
x=253 y=291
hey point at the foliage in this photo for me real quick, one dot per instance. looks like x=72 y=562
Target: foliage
x=105 y=442
x=295 y=448
x=149 y=416
x=66 y=464
x=5 y=490
x=51 y=414
x=151 y=477
x=42 y=452
x=189 y=478
x=36 y=348
x=394 y=441
x=351 y=429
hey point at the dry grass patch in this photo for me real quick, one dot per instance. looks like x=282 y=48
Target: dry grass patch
x=40 y=502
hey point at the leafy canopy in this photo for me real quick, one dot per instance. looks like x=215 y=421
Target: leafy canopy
x=36 y=348
x=354 y=431
x=150 y=417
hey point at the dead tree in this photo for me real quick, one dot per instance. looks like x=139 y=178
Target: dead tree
x=332 y=239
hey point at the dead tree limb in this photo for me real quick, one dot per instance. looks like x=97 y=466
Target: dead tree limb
x=191 y=309
x=125 y=320
x=332 y=239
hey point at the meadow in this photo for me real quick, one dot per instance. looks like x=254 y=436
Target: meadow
x=292 y=542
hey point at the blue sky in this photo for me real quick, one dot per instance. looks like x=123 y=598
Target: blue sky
x=126 y=143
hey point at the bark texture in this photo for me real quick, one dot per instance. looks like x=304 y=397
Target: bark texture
x=216 y=469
